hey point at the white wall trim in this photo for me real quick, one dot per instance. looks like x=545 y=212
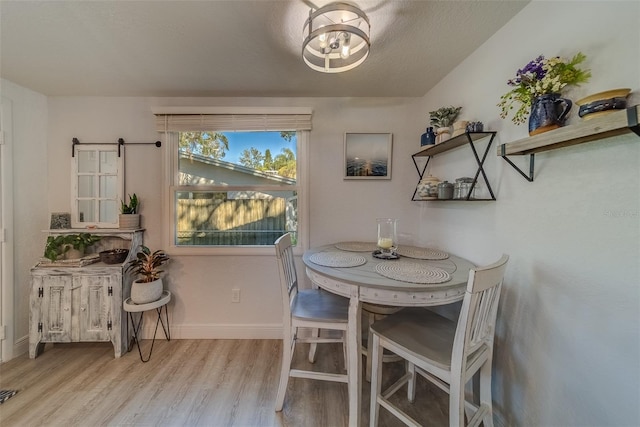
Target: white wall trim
x=7 y=279
x=21 y=346
x=217 y=331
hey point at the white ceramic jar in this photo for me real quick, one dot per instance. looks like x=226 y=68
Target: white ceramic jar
x=428 y=188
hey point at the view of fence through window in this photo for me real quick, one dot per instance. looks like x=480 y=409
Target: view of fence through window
x=248 y=188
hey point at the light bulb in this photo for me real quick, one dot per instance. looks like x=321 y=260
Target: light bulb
x=345 y=51
x=322 y=40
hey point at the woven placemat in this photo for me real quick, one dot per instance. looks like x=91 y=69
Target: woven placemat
x=357 y=246
x=337 y=259
x=421 y=253
x=412 y=272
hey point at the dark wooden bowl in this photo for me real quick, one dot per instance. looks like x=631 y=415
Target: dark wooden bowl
x=114 y=256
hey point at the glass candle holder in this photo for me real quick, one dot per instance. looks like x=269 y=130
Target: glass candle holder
x=387 y=239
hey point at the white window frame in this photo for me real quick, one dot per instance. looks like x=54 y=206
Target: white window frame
x=119 y=174
x=171 y=173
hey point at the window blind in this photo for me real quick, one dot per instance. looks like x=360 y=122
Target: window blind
x=232 y=122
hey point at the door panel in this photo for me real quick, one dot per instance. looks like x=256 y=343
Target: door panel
x=56 y=307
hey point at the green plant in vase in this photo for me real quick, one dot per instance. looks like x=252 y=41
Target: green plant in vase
x=58 y=246
x=146 y=265
x=129 y=217
x=541 y=76
x=131 y=207
x=442 y=119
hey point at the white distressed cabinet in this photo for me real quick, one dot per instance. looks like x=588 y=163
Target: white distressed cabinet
x=75 y=304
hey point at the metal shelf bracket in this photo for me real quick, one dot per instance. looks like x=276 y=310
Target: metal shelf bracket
x=531 y=164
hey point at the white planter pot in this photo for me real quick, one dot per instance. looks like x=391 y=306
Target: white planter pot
x=144 y=293
x=129 y=221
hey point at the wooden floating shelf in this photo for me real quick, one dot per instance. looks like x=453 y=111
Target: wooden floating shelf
x=451 y=143
x=613 y=124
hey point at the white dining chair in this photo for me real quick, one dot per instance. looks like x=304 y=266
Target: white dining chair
x=445 y=352
x=306 y=308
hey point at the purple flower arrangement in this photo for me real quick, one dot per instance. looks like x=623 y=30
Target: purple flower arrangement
x=539 y=77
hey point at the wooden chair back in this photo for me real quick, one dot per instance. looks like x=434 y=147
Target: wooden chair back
x=476 y=324
x=288 y=274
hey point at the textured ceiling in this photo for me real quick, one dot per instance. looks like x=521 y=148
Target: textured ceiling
x=231 y=48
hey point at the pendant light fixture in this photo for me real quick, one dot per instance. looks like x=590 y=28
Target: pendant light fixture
x=336 y=38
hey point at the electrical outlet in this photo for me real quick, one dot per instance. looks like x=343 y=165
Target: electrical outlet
x=235 y=295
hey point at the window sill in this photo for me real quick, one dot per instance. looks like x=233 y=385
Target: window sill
x=226 y=251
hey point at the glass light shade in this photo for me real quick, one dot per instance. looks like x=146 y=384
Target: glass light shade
x=387 y=236
x=336 y=38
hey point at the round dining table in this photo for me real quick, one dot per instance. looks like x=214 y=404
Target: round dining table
x=416 y=279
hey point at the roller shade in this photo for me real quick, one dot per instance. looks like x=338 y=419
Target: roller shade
x=232 y=122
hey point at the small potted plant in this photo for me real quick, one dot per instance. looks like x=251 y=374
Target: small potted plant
x=68 y=246
x=146 y=265
x=442 y=119
x=129 y=217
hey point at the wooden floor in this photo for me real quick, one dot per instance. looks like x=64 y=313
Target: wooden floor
x=187 y=382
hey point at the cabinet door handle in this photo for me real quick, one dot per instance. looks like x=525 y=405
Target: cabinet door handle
x=83 y=308
x=66 y=309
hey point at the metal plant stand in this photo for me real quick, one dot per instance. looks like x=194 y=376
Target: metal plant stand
x=158 y=305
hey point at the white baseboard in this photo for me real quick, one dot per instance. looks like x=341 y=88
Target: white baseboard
x=216 y=331
x=20 y=347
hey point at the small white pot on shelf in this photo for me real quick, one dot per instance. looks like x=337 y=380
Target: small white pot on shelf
x=129 y=221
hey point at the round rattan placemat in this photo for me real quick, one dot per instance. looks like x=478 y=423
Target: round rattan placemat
x=337 y=259
x=421 y=253
x=412 y=272
x=357 y=246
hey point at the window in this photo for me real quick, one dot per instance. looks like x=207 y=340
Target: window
x=97 y=186
x=234 y=191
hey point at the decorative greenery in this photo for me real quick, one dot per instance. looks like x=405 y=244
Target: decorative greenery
x=444 y=117
x=539 y=77
x=132 y=207
x=60 y=244
x=147 y=264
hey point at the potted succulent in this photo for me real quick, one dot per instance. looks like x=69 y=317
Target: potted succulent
x=442 y=119
x=68 y=246
x=146 y=265
x=129 y=217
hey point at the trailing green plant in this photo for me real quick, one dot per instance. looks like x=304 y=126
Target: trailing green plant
x=147 y=264
x=444 y=117
x=131 y=207
x=60 y=244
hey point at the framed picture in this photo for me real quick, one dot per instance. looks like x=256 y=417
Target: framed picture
x=60 y=221
x=367 y=155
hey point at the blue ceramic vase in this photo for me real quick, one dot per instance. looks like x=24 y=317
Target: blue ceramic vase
x=548 y=112
x=428 y=138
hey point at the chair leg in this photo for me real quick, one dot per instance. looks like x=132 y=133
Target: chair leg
x=344 y=351
x=456 y=401
x=411 y=383
x=315 y=333
x=288 y=346
x=375 y=350
x=370 y=319
x=485 y=392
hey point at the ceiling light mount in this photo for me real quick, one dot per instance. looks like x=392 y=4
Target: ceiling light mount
x=336 y=38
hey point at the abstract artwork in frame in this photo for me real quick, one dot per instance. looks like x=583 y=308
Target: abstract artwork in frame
x=367 y=155
x=60 y=221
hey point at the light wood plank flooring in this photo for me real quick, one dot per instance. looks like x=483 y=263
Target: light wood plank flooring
x=187 y=383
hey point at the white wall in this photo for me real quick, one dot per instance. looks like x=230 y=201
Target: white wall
x=30 y=202
x=568 y=340
x=202 y=285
